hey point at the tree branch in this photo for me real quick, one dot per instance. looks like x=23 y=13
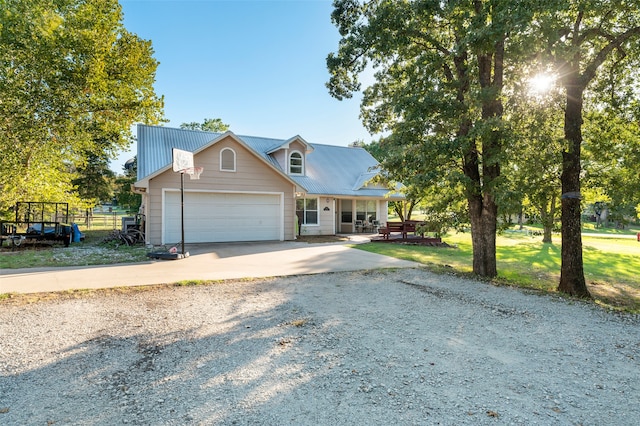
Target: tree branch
x=615 y=43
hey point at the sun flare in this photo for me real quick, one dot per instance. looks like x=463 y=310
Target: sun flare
x=541 y=83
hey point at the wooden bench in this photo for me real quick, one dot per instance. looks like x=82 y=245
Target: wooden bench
x=402 y=227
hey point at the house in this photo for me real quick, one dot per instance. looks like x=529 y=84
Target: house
x=253 y=188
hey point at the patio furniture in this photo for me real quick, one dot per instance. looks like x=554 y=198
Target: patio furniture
x=402 y=227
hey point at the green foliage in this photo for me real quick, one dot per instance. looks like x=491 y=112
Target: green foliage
x=581 y=40
x=94 y=179
x=611 y=159
x=437 y=223
x=438 y=93
x=72 y=82
x=208 y=125
x=534 y=156
x=125 y=197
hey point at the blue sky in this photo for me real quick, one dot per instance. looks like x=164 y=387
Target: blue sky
x=259 y=65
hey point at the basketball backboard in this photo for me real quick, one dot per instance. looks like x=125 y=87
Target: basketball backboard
x=182 y=160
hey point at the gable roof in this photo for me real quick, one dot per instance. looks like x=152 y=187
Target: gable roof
x=308 y=147
x=330 y=170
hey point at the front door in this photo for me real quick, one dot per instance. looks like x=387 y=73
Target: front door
x=346 y=219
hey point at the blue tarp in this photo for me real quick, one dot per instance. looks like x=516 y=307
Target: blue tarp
x=77 y=235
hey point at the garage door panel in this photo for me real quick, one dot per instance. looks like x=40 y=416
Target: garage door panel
x=220 y=217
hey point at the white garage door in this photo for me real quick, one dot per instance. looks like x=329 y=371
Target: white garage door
x=222 y=217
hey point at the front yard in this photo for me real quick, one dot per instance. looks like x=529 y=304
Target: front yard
x=611 y=264
x=92 y=251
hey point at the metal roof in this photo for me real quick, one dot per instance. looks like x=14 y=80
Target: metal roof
x=330 y=170
x=155 y=144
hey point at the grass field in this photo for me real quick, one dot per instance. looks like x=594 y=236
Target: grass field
x=611 y=265
x=611 y=261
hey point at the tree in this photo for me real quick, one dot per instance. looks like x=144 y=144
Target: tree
x=435 y=197
x=438 y=92
x=611 y=156
x=123 y=194
x=393 y=177
x=581 y=38
x=534 y=168
x=95 y=179
x=208 y=125
x=72 y=82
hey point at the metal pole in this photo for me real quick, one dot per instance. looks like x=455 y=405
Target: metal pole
x=182 y=207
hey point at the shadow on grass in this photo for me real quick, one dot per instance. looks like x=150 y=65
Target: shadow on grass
x=611 y=276
x=528 y=255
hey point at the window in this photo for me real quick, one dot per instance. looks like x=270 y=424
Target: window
x=296 y=165
x=227 y=160
x=307 y=210
x=347 y=214
x=366 y=210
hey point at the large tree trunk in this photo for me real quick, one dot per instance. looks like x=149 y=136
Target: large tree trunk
x=572 y=279
x=483 y=213
x=482 y=206
x=483 y=174
x=547 y=231
x=548 y=219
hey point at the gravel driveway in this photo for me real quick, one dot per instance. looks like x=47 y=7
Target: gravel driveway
x=399 y=347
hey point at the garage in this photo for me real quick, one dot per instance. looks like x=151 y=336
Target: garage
x=223 y=217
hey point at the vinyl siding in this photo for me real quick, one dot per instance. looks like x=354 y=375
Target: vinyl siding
x=252 y=175
x=326 y=218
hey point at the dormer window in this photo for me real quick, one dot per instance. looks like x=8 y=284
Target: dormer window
x=296 y=163
x=228 y=160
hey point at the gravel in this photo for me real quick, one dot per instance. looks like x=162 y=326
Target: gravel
x=400 y=347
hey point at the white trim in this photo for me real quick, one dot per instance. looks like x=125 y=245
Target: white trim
x=304 y=210
x=286 y=144
x=334 y=215
x=214 y=191
x=234 y=159
x=302 y=160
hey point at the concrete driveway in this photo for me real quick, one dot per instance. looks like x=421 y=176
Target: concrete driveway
x=206 y=262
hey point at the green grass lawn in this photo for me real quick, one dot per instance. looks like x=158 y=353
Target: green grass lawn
x=89 y=252
x=611 y=265
x=588 y=228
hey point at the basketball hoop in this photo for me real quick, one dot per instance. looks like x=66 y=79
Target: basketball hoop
x=183 y=163
x=182 y=160
x=193 y=172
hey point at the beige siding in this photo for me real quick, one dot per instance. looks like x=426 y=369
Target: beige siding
x=326 y=224
x=252 y=175
x=297 y=146
x=282 y=155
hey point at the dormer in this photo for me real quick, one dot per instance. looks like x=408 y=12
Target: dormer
x=291 y=155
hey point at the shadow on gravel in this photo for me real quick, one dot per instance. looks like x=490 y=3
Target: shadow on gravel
x=174 y=378
x=403 y=347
